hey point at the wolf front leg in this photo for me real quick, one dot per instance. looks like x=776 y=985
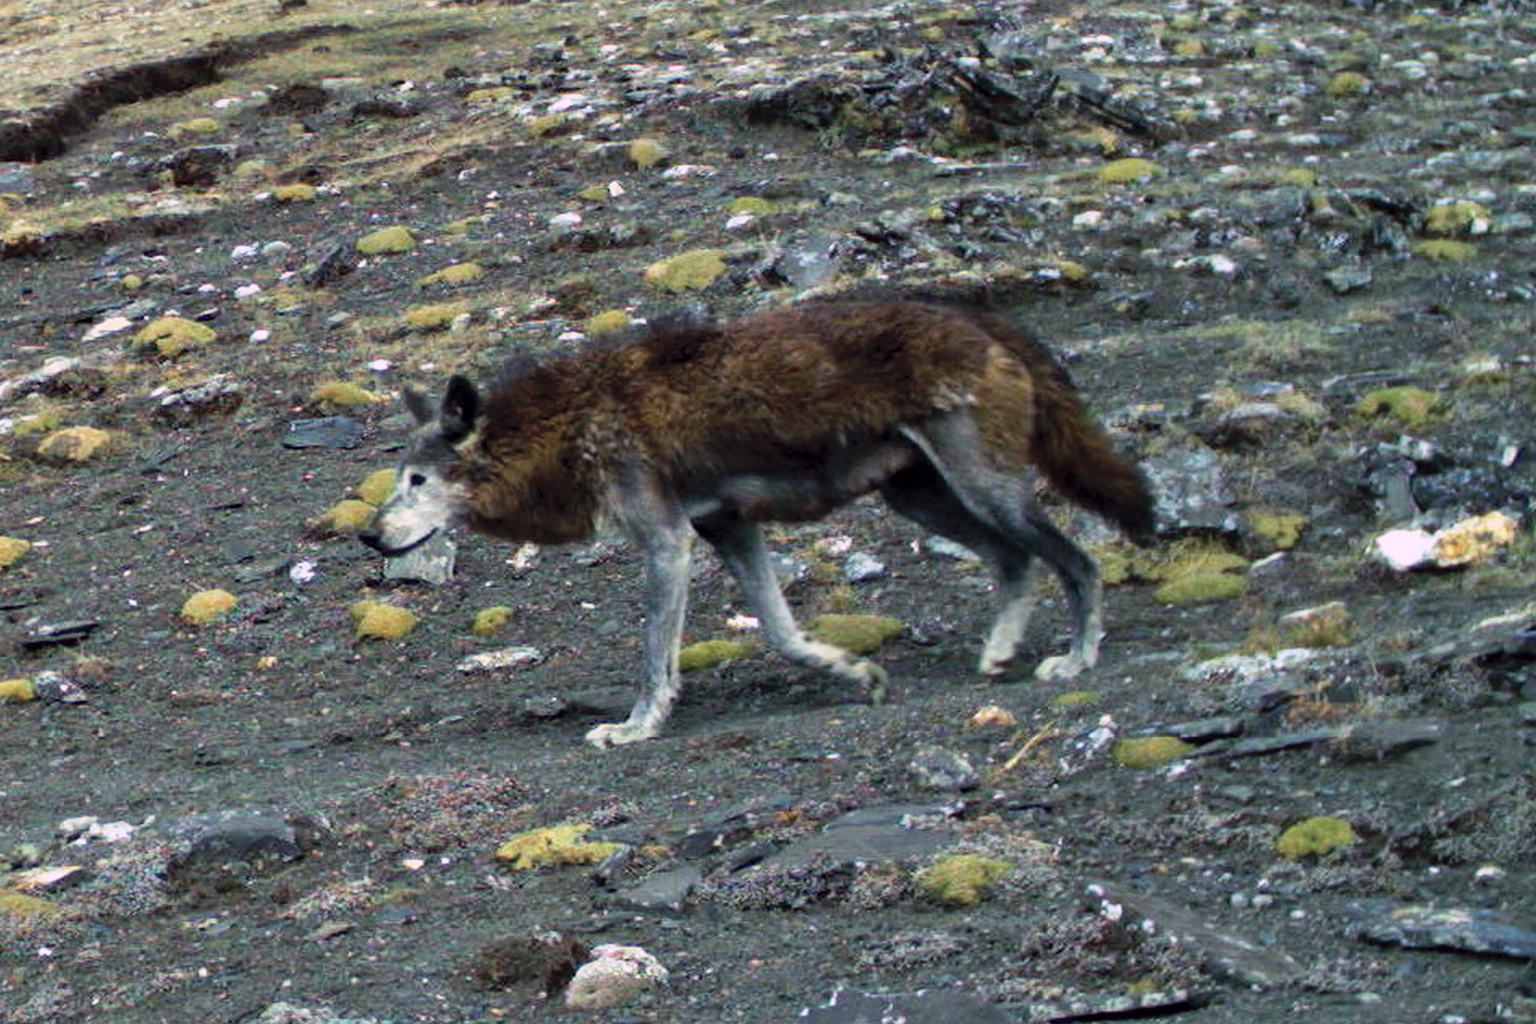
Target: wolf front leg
x=668 y=545
x=741 y=548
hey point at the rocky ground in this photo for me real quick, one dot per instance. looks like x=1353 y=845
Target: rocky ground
x=1287 y=251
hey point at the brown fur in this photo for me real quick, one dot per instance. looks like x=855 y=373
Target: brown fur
x=763 y=394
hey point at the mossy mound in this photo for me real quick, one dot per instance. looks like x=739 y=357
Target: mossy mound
x=170 y=336
x=709 y=653
x=607 y=323
x=74 y=444
x=377 y=486
x=207 y=606
x=961 y=880
x=1201 y=588
x=1149 y=751
x=11 y=550
x=1406 y=406
x=16 y=691
x=1461 y=217
x=437 y=316
x=646 y=153
x=342 y=394
x=1077 y=699
x=557 y=846
x=857 y=634
x=454 y=274
x=1129 y=170
x=1314 y=837
x=18 y=907
x=1347 y=83
x=195 y=126
x=689 y=271
x=492 y=620
x=1278 y=531
x=754 y=205
x=387 y=241
x=347 y=516
x=298 y=192
x=1444 y=250
x=377 y=620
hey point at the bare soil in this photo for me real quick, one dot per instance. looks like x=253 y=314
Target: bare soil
x=395 y=776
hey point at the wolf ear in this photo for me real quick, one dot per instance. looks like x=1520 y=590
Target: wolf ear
x=461 y=407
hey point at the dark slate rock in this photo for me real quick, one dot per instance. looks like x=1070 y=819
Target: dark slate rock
x=1449 y=929
x=661 y=892
x=921 y=1007
x=236 y=835
x=880 y=835
x=323 y=432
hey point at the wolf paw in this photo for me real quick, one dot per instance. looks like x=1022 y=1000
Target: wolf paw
x=1062 y=666
x=618 y=734
x=994 y=666
x=875 y=683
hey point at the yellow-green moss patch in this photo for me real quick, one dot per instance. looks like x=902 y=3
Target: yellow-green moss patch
x=74 y=444
x=709 y=653
x=492 y=620
x=857 y=634
x=207 y=606
x=1129 y=170
x=1446 y=250
x=1201 y=588
x=386 y=241
x=377 y=620
x=298 y=192
x=435 y=316
x=693 y=270
x=170 y=336
x=1348 y=83
x=1077 y=699
x=18 y=907
x=347 y=516
x=1150 y=751
x=455 y=273
x=1315 y=837
x=755 y=205
x=608 y=322
x=647 y=152
x=557 y=846
x=961 y=880
x=16 y=691
x=1460 y=217
x=491 y=94
x=341 y=393
x=1277 y=530
x=377 y=486
x=11 y=549
x=195 y=126
x=1408 y=406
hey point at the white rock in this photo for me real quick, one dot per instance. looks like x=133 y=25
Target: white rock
x=614 y=976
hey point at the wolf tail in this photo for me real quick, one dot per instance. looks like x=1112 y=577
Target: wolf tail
x=1070 y=447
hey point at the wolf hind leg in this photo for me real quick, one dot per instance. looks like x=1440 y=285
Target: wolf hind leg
x=922 y=496
x=740 y=545
x=1001 y=504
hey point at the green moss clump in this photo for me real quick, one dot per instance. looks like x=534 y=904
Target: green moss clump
x=74 y=444
x=647 y=152
x=557 y=846
x=341 y=393
x=754 y=205
x=195 y=126
x=18 y=907
x=1455 y=218
x=377 y=486
x=16 y=691
x=709 y=653
x=490 y=621
x=385 y=241
x=207 y=606
x=347 y=516
x=376 y=620
x=1201 y=588
x=1150 y=751
x=170 y=336
x=857 y=634
x=1279 y=531
x=491 y=94
x=689 y=271
x=961 y=880
x=435 y=317
x=1445 y=250
x=11 y=549
x=36 y=423
x=547 y=125
x=608 y=322
x=1347 y=83
x=454 y=274
x=1129 y=170
x=1408 y=406
x=1314 y=837
x=298 y=192
x=1076 y=699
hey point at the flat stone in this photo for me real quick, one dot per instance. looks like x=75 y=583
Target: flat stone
x=944 y=1006
x=429 y=562
x=665 y=891
x=323 y=432
x=1450 y=929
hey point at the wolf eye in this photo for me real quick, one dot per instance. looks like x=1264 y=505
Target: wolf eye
x=416 y=479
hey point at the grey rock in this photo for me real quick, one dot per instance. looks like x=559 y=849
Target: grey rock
x=235 y=835
x=862 y=568
x=665 y=891
x=1383 y=740
x=942 y=769
x=942 y=1006
x=881 y=835
x=1452 y=929
x=429 y=562
x=323 y=432
x=1351 y=278
x=1192 y=490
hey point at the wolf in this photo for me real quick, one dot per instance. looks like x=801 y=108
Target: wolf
x=705 y=429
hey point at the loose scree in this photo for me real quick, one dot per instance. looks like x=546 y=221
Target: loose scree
x=708 y=430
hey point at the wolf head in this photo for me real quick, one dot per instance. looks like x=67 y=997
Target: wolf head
x=427 y=498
